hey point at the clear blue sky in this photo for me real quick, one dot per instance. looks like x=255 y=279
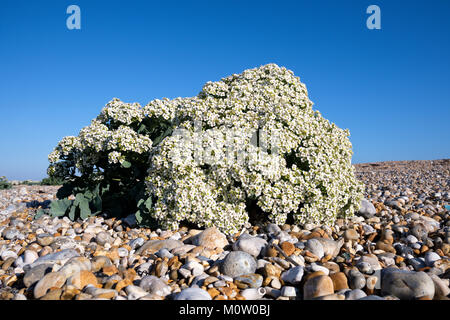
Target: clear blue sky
x=390 y=87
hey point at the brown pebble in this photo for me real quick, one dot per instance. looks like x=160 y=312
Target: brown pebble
x=53 y=294
x=271 y=271
x=339 y=281
x=271 y=252
x=213 y=292
x=287 y=247
x=318 y=286
x=122 y=284
x=110 y=270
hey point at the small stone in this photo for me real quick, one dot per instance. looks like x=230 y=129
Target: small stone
x=287 y=247
x=288 y=291
x=431 y=258
x=315 y=247
x=380 y=245
x=193 y=294
x=272 y=228
x=252 y=280
x=406 y=285
x=54 y=294
x=339 y=281
x=59 y=257
x=82 y=279
x=8 y=254
x=210 y=238
x=293 y=275
x=45 y=239
x=238 y=263
x=364 y=267
x=135 y=292
x=351 y=234
x=316 y=267
x=155 y=245
x=251 y=245
x=155 y=286
x=331 y=247
x=110 y=270
x=441 y=287
x=367 y=209
x=411 y=239
x=36 y=273
x=50 y=280
x=75 y=265
x=271 y=271
x=253 y=293
x=275 y=283
x=121 y=284
x=213 y=292
x=103 y=238
x=317 y=287
x=355 y=294
x=356 y=279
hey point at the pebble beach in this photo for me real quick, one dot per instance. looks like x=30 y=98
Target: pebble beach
x=397 y=247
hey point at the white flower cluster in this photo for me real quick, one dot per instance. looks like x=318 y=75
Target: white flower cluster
x=106 y=135
x=307 y=173
x=251 y=138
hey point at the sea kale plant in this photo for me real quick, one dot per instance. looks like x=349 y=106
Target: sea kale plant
x=248 y=148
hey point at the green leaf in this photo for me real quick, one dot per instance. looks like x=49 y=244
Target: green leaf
x=85 y=212
x=72 y=210
x=97 y=203
x=59 y=207
x=138 y=216
x=126 y=164
x=141 y=128
x=162 y=136
x=148 y=203
x=140 y=202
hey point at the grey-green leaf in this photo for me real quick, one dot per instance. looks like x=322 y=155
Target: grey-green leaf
x=59 y=207
x=126 y=164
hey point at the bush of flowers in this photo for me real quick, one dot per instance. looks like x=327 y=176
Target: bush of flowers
x=247 y=148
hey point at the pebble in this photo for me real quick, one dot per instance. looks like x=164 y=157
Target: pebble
x=155 y=245
x=253 y=293
x=135 y=292
x=407 y=285
x=210 y=238
x=193 y=294
x=155 y=285
x=252 y=280
x=288 y=291
x=251 y=245
x=59 y=257
x=50 y=280
x=315 y=247
x=293 y=275
x=36 y=273
x=318 y=286
x=354 y=294
x=431 y=257
x=238 y=263
x=356 y=279
x=339 y=281
x=367 y=209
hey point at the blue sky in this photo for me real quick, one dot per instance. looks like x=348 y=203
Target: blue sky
x=389 y=87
